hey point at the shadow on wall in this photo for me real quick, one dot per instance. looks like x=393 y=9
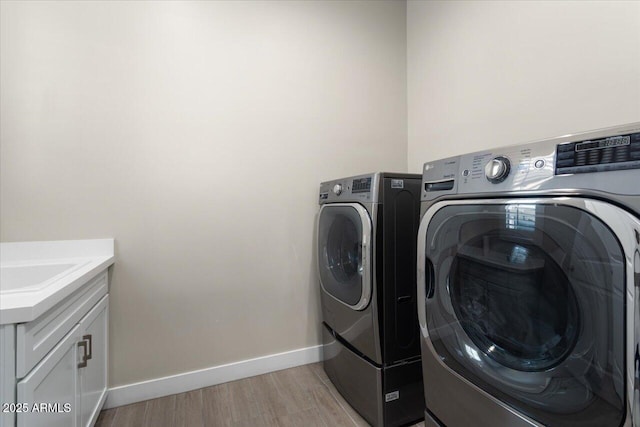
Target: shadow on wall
x=314 y=295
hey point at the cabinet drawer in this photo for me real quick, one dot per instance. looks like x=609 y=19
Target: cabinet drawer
x=36 y=338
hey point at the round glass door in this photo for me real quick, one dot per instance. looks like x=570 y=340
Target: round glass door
x=514 y=302
x=343 y=231
x=528 y=304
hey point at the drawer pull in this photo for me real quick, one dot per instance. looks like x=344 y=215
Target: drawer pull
x=83 y=364
x=88 y=338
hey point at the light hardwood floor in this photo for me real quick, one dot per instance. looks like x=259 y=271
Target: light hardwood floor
x=301 y=396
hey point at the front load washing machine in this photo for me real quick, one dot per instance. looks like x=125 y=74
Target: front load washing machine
x=367 y=228
x=528 y=283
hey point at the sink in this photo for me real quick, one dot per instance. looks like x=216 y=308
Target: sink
x=27 y=277
x=36 y=276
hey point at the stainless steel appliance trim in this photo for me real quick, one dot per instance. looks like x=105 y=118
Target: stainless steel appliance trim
x=623 y=225
x=366 y=254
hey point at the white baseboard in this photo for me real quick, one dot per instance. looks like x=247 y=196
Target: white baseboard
x=151 y=389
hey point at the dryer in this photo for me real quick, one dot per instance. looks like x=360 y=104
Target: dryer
x=528 y=283
x=366 y=234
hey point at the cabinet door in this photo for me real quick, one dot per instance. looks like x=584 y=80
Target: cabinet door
x=51 y=388
x=7 y=373
x=94 y=330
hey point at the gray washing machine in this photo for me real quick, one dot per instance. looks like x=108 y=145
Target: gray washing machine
x=367 y=228
x=528 y=283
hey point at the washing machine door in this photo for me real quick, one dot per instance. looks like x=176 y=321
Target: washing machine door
x=344 y=236
x=524 y=301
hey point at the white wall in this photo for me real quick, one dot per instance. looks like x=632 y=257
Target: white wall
x=484 y=74
x=196 y=134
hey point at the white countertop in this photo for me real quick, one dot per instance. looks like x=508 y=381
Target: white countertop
x=35 y=276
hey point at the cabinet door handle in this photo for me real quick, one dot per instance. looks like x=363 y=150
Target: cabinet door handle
x=88 y=338
x=83 y=364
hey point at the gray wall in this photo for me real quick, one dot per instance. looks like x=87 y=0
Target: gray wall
x=196 y=134
x=483 y=74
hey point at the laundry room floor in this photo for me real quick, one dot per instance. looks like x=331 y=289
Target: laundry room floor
x=301 y=396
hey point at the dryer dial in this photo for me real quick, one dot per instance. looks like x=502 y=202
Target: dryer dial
x=337 y=189
x=497 y=169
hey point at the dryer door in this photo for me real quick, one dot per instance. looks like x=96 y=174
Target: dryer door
x=344 y=236
x=526 y=301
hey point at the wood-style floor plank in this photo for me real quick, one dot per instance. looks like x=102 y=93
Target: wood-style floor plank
x=241 y=401
x=269 y=399
x=352 y=413
x=300 y=396
x=254 y=422
x=317 y=369
x=215 y=405
x=189 y=409
x=295 y=386
x=307 y=418
x=331 y=413
x=130 y=415
x=161 y=412
x=105 y=419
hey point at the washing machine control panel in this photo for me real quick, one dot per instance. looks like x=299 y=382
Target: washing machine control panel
x=558 y=163
x=497 y=169
x=361 y=185
x=361 y=189
x=599 y=154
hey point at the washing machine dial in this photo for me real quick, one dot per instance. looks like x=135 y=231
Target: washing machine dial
x=497 y=169
x=337 y=189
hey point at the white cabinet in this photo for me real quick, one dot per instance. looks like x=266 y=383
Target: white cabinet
x=67 y=386
x=54 y=313
x=93 y=376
